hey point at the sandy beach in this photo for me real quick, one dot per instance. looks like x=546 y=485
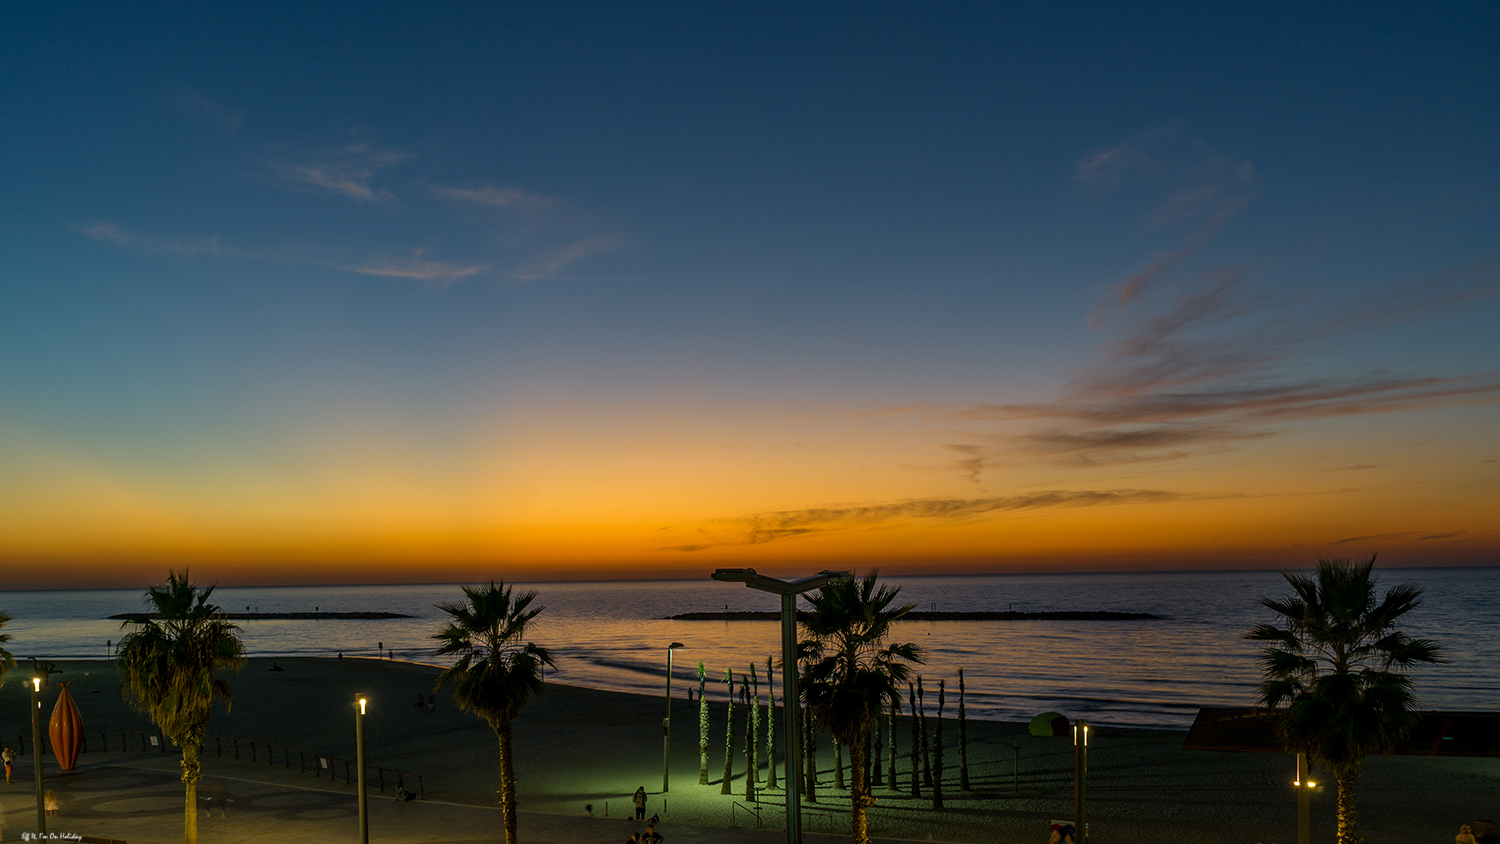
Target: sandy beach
x=581 y=746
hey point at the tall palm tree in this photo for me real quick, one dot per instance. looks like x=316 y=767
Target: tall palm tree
x=1334 y=669
x=496 y=672
x=167 y=664
x=852 y=671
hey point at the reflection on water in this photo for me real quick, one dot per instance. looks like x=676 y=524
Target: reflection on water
x=614 y=635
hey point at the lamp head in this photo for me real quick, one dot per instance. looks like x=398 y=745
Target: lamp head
x=36 y=684
x=734 y=575
x=674 y=646
x=361 y=702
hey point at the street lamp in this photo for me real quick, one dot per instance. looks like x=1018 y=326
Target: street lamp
x=36 y=752
x=792 y=704
x=359 y=758
x=1081 y=774
x=1304 y=786
x=666 y=723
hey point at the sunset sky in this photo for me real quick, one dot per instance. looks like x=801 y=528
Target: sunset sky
x=435 y=292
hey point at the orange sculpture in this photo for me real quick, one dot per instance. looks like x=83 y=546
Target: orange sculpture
x=66 y=730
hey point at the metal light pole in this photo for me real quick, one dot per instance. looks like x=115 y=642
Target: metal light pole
x=359 y=757
x=791 y=701
x=666 y=723
x=36 y=753
x=1304 y=793
x=1081 y=773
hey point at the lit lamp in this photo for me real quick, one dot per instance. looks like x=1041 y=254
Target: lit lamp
x=359 y=759
x=1081 y=774
x=792 y=705
x=1304 y=785
x=666 y=723
x=36 y=751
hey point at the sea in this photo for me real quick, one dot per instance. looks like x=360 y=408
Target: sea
x=615 y=635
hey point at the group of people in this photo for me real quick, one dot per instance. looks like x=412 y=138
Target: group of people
x=650 y=836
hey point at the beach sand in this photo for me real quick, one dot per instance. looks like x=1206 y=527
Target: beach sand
x=581 y=746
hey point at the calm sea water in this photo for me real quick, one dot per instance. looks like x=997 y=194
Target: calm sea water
x=613 y=635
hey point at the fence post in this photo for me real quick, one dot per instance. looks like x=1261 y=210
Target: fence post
x=302 y=761
x=85 y=742
x=346 y=772
x=219 y=744
x=420 y=790
x=236 y=747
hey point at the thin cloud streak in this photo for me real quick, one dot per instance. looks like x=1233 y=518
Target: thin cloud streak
x=514 y=198
x=414 y=268
x=348 y=171
x=550 y=263
x=787 y=524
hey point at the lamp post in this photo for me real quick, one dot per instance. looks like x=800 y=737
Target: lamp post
x=791 y=702
x=1080 y=773
x=1304 y=786
x=359 y=759
x=666 y=723
x=36 y=753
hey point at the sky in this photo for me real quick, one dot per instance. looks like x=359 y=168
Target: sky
x=431 y=292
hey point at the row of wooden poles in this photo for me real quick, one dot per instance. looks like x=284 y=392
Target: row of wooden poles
x=239 y=748
x=926 y=757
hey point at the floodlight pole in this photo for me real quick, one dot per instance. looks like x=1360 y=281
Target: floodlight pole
x=36 y=753
x=791 y=699
x=666 y=725
x=359 y=757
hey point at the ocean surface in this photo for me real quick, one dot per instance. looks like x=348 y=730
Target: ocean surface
x=614 y=635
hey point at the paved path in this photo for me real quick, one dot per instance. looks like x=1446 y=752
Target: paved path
x=139 y=799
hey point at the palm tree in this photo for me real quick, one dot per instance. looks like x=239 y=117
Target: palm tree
x=1334 y=669
x=496 y=671
x=7 y=661
x=167 y=663
x=852 y=671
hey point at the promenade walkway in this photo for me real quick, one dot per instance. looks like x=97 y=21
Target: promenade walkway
x=139 y=799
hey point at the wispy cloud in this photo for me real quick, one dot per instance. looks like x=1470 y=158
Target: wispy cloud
x=416 y=267
x=550 y=263
x=436 y=272
x=1186 y=180
x=513 y=198
x=1376 y=537
x=349 y=171
x=774 y=526
x=187 y=247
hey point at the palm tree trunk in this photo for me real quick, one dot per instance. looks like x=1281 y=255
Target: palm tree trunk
x=859 y=793
x=507 y=781
x=876 y=770
x=937 y=750
x=890 y=732
x=916 y=745
x=838 y=764
x=749 y=743
x=1347 y=811
x=963 y=738
x=192 y=771
x=728 y=734
x=926 y=747
x=770 y=727
x=811 y=791
x=702 y=726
